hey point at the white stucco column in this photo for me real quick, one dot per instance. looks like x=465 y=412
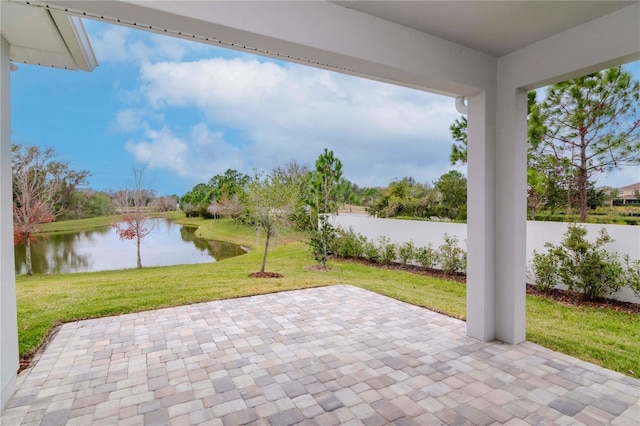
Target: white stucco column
x=481 y=215
x=511 y=214
x=8 y=321
x=496 y=233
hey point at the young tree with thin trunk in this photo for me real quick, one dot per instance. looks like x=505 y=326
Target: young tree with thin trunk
x=37 y=184
x=134 y=205
x=270 y=202
x=323 y=196
x=592 y=125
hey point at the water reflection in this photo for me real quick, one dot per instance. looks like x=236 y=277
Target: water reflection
x=101 y=249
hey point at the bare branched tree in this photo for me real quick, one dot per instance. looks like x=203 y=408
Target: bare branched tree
x=231 y=207
x=41 y=187
x=134 y=203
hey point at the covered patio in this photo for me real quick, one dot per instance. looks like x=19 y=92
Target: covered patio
x=484 y=54
x=326 y=356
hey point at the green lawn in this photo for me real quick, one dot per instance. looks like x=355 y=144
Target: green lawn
x=603 y=336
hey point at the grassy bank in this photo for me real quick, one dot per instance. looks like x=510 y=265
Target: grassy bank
x=79 y=224
x=94 y=223
x=602 y=336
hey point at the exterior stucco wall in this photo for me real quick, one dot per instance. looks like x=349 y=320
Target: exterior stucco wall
x=627 y=238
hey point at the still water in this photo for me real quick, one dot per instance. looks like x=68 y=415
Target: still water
x=102 y=249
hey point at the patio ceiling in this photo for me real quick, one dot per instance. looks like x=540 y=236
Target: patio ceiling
x=44 y=37
x=496 y=28
x=446 y=47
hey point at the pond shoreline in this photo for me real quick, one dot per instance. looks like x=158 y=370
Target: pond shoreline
x=72 y=248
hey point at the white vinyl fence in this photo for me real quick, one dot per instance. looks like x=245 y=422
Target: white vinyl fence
x=627 y=238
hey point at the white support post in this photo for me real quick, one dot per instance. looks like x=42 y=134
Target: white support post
x=511 y=213
x=481 y=216
x=496 y=233
x=9 y=361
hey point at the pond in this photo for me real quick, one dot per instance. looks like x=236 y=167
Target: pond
x=101 y=249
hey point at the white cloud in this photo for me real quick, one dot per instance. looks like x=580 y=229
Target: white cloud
x=270 y=112
x=289 y=112
x=130 y=120
x=161 y=150
x=199 y=157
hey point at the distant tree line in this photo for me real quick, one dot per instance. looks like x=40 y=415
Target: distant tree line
x=40 y=177
x=445 y=199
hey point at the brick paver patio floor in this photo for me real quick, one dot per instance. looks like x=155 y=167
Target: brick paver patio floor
x=326 y=356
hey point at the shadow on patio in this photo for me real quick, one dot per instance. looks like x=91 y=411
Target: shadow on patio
x=331 y=355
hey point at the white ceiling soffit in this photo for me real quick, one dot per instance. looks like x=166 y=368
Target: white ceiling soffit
x=496 y=28
x=49 y=38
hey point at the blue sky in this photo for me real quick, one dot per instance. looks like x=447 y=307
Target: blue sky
x=187 y=111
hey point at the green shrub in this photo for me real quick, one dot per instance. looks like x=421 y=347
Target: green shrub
x=387 y=251
x=452 y=258
x=545 y=270
x=321 y=240
x=427 y=257
x=631 y=274
x=301 y=221
x=406 y=252
x=587 y=267
x=349 y=244
x=371 y=252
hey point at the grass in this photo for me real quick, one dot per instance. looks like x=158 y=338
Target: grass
x=95 y=223
x=79 y=224
x=602 y=336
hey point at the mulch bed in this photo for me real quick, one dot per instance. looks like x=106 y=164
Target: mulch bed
x=265 y=275
x=576 y=299
x=561 y=296
x=414 y=269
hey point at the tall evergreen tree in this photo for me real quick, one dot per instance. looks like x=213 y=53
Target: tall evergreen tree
x=585 y=126
x=323 y=197
x=324 y=190
x=458 y=130
x=592 y=125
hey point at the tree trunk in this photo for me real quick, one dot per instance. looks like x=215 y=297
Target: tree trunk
x=27 y=248
x=266 y=249
x=569 y=197
x=582 y=179
x=323 y=258
x=139 y=264
x=582 y=195
x=582 y=185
